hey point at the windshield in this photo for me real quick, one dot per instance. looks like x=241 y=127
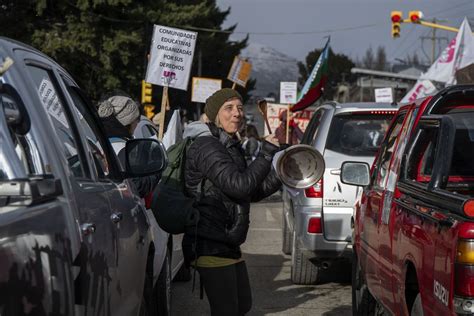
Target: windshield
x=357 y=134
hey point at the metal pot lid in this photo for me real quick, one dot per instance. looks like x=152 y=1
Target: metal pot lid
x=300 y=166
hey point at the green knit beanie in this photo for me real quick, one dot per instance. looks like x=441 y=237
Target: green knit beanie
x=215 y=101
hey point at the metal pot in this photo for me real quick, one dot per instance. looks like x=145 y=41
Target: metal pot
x=300 y=166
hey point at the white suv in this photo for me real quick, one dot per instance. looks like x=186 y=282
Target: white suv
x=317 y=221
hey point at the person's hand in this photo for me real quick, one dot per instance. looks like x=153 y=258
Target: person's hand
x=268 y=150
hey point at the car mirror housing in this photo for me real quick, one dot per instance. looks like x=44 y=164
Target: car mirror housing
x=355 y=173
x=144 y=156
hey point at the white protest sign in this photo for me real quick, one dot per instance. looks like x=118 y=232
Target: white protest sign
x=204 y=88
x=50 y=101
x=288 y=92
x=171 y=57
x=384 y=95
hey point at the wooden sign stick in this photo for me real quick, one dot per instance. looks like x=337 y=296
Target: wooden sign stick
x=164 y=102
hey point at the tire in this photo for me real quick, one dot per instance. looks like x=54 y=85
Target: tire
x=286 y=238
x=162 y=290
x=363 y=303
x=183 y=275
x=417 y=308
x=303 y=271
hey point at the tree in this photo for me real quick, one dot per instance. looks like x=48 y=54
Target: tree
x=339 y=70
x=368 y=60
x=380 y=59
x=105 y=43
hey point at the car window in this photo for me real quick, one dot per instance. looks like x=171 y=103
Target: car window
x=357 y=134
x=312 y=127
x=95 y=148
x=25 y=147
x=53 y=105
x=463 y=152
x=387 y=148
x=461 y=173
x=422 y=157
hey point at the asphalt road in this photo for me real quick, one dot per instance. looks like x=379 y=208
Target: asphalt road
x=269 y=270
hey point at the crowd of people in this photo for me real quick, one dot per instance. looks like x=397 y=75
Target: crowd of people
x=227 y=167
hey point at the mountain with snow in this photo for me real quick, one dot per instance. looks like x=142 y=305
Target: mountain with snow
x=269 y=67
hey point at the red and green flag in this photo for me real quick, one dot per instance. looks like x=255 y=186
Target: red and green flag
x=314 y=85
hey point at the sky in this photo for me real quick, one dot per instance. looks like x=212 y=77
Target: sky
x=354 y=25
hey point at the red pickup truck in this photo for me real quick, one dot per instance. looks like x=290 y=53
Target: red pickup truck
x=413 y=236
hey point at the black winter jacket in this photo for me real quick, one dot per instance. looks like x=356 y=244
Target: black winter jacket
x=217 y=174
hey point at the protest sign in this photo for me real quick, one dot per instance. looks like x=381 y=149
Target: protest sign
x=171 y=57
x=288 y=92
x=202 y=88
x=240 y=71
x=301 y=117
x=384 y=95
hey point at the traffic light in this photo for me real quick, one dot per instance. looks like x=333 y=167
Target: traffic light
x=149 y=110
x=396 y=20
x=415 y=16
x=146 y=92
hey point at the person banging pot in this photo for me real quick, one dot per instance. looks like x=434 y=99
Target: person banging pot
x=217 y=175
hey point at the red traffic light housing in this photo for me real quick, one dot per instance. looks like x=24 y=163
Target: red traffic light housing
x=396 y=16
x=415 y=16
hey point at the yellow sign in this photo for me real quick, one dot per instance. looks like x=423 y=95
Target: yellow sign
x=240 y=71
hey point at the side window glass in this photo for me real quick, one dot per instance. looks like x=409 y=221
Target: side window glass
x=385 y=154
x=95 y=148
x=22 y=141
x=62 y=127
x=312 y=128
x=422 y=158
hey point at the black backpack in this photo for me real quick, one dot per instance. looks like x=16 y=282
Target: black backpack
x=172 y=208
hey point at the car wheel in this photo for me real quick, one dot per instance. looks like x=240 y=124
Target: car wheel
x=183 y=275
x=303 y=271
x=286 y=238
x=363 y=303
x=417 y=308
x=162 y=290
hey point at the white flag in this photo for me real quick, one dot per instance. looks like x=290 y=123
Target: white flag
x=421 y=89
x=458 y=54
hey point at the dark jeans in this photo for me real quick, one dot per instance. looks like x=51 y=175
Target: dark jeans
x=227 y=289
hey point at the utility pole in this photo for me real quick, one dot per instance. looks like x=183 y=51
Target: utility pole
x=433 y=38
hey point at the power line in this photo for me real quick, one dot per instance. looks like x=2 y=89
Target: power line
x=283 y=33
x=405 y=38
x=452 y=8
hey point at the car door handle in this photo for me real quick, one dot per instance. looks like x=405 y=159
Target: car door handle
x=116 y=217
x=335 y=172
x=87 y=229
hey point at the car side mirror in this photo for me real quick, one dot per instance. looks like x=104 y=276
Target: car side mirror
x=144 y=156
x=14 y=110
x=355 y=173
x=25 y=192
